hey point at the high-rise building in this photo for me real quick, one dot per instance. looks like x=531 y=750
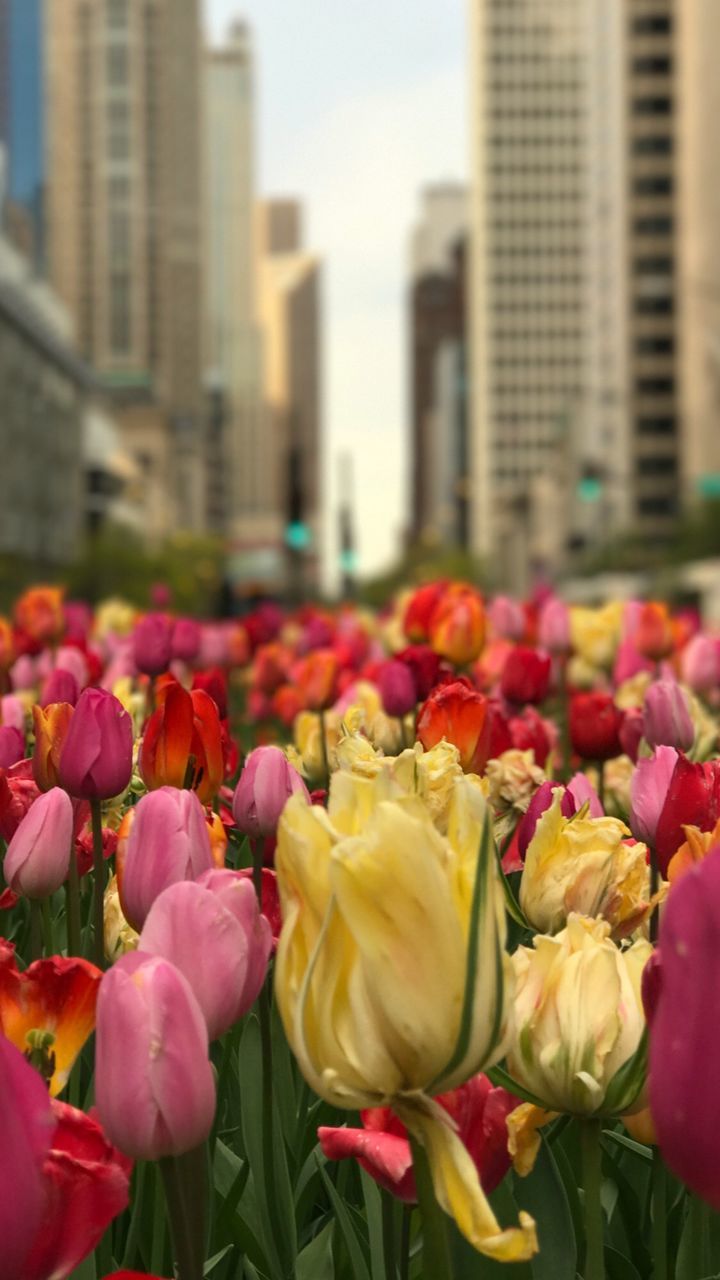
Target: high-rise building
x=22 y=125
x=438 y=354
x=232 y=340
x=124 y=223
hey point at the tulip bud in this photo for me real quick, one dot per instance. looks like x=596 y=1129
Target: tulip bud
x=38 y=856
x=168 y=842
x=154 y=1086
x=506 y=618
x=458 y=713
x=70 y=658
x=186 y=637
x=700 y=665
x=457 y=625
x=266 y=784
x=51 y=725
x=212 y=931
x=654 y=635
x=422 y=605
x=152 y=644
x=12 y=712
x=60 y=686
x=554 y=627
x=595 y=724
x=96 y=758
x=424 y=664
x=648 y=791
x=397 y=688
x=526 y=676
x=12 y=746
x=316 y=678
x=667 y=716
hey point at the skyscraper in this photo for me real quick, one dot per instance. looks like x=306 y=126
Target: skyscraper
x=22 y=124
x=124 y=222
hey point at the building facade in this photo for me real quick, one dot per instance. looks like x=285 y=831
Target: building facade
x=22 y=125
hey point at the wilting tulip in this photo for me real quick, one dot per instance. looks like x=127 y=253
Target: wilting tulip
x=39 y=613
x=168 y=842
x=186 y=640
x=382 y=1146
x=459 y=714
x=457 y=625
x=18 y=791
x=266 y=783
x=183 y=741
x=27 y=1125
x=526 y=676
x=55 y=997
x=397 y=688
x=581 y=864
x=96 y=757
x=420 y=609
x=38 y=856
x=654 y=634
x=700 y=665
x=12 y=746
x=692 y=799
x=578 y=1015
x=648 y=791
x=684 y=1099
x=154 y=1085
x=554 y=626
x=51 y=726
x=60 y=687
x=152 y=644
x=595 y=724
x=212 y=931
x=337 y=873
x=666 y=716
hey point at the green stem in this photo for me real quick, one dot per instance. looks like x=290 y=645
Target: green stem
x=388 y=1235
x=47 y=927
x=436 y=1253
x=36 y=931
x=72 y=905
x=592 y=1185
x=323 y=740
x=405 y=1242
x=185 y=1182
x=659 y=1217
x=99 y=890
x=268 y=1148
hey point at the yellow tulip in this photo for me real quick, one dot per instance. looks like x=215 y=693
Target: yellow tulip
x=595 y=633
x=578 y=1015
x=581 y=864
x=391 y=976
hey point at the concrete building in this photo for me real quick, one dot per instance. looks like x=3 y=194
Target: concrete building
x=124 y=224
x=232 y=339
x=438 y=442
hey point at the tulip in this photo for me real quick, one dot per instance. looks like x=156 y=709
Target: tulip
x=667 y=716
x=96 y=757
x=648 y=791
x=595 y=724
x=526 y=676
x=632 y=730
x=699 y=664
x=39 y=613
x=595 y=634
x=75 y=662
x=531 y=732
x=152 y=644
x=60 y=686
x=684 y=1099
x=12 y=712
x=38 y=856
x=397 y=688
x=578 y=1015
x=168 y=842
x=554 y=626
x=183 y=743
x=266 y=783
x=18 y=791
x=459 y=714
x=12 y=746
x=422 y=605
x=214 y=682
x=286 y=704
x=154 y=1085
x=337 y=875
x=697 y=845
x=26 y=1122
x=692 y=799
x=654 y=634
x=7 y=644
x=540 y=802
x=316 y=679
x=581 y=864
x=213 y=932
x=457 y=625
x=186 y=639
x=51 y=725
x=383 y=1150
x=506 y=618
x=424 y=664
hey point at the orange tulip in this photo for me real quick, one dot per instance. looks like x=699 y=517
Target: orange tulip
x=39 y=613
x=218 y=838
x=7 y=644
x=315 y=678
x=182 y=744
x=654 y=637
x=51 y=724
x=696 y=846
x=457 y=626
x=420 y=610
x=457 y=713
x=53 y=1002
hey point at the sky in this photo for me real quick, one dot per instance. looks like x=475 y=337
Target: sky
x=360 y=104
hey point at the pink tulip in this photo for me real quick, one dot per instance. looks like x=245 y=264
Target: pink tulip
x=632 y=730
x=699 y=663
x=168 y=842
x=152 y=644
x=154 y=1086
x=554 y=627
x=12 y=712
x=667 y=716
x=38 y=856
x=212 y=931
x=266 y=784
x=70 y=658
x=12 y=746
x=397 y=688
x=186 y=639
x=506 y=618
x=22 y=673
x=26 y=1124
x=629 y=662
x=684 y=1027
x=648 y=791
x=96 y=759
x=60 y=686
x=583 y=792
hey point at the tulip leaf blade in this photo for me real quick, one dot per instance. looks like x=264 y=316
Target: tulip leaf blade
x=512 y=906
x=346 y=1228
x=315 y=1262
x=618 y=1267
x=625 y=1086
x=503 y=1080
x=542 y=1194
x=629 y=1143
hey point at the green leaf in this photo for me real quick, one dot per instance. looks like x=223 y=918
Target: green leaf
x=699 y=1251
x=216 y=1259
x=629 y=1143
x=512 y=906
x=618 y=1267
x=347 y=1230
x=625 y=1086
x=542 y=1193
x=373 y=1212
x=316 y=1260
x=500 y=1077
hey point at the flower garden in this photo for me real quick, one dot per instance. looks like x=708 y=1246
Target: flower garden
x=377 y=946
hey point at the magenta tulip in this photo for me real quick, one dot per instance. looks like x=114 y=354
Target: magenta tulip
x=667 y=716
x=38 y=856
x=60 y=686
x=186 y=638
x=648 y=791
x=213 y=932
x=632 y=730
x=168 y=842
x=154 y=1085
x=266 y=784
x=685 y=1021
x=397 y=688
x=12 y=746
x=96 y=759
x=26 y=1124
x=152 y=644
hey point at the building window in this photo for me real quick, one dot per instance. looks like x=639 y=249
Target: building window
x=119 y=238
x=656 y=466
x=655 y=345
x=653 y=66
x=660 y=306
x=654 y=265
x=653 y=184
x=653 y=145
x=652 y=24
x=660 y=426
x=654 y=106
x=117 y=65
x=655 y=386
x=654 y=226
x=119 y=313
x=117 y=13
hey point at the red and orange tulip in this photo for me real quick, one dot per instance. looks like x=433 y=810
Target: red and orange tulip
x=183 y=743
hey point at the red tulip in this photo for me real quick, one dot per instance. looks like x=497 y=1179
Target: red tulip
x=459 y=714
x=183 y=737
x=315 y=678
x=419 y=611
x=18 y=790
x=532 y=732
x=692 y=799
x=424 y=664
x=526 y=675
x=215 y=683
x=654 y=634
x=96 y=757
x=595 y=724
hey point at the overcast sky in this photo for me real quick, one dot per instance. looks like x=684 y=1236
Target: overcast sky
x=360 y=104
